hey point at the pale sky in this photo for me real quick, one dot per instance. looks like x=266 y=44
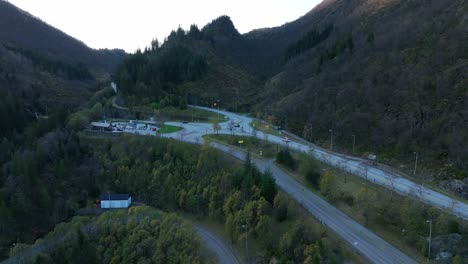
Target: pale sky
x=133 y=24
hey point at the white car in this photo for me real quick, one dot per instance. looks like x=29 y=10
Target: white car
x=286 y=139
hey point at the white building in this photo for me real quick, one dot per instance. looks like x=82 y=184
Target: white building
x=101 y=126
x=110 y=200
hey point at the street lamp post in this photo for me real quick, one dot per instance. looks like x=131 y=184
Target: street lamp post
x=331 y=139
x=415 y=163
x=246 y=246
x=354 y=142
x=430 y=238
x=198 y=207
x=367 y=171
x=219 y=115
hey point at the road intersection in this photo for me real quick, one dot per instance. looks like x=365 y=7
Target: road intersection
x=193 y=132
x=368 y=244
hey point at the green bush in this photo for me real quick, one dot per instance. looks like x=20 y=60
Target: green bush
x=310 y=172
x=285 y=158
x=281 y=207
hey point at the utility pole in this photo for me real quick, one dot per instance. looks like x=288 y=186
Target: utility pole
x=367 y=170
x=310 y=132
x=237 y=100
x=219 y=115
x=246 y=246
x=354 y=142
x=307 y=133
x=430 y=238
x=331 y=139
x=415 y=163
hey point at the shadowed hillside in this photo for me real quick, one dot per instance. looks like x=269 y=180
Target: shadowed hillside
x=43 y=70
x=22 y=30
x=390 y=72
x=393 y=73
x=189 y=68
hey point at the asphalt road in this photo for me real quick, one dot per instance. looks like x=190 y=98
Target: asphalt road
x=368 y=244
x=364 y=241
x=114 y=104
x=356 y=166
x=223 y=252
x=213 y=243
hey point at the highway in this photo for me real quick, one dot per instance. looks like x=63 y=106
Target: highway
x=356 y=166
x=369 y=245
x=364 y=241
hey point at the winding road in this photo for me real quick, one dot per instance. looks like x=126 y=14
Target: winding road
x=364 y=241
x=359 y=167
x=213 y=243
x=368 y=244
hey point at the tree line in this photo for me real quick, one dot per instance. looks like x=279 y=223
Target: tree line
x=139 y=235
x=176 y=176
x=383 y=209
x=72 y=71
x=308 y=41
x=155 y=75
x=66 y=171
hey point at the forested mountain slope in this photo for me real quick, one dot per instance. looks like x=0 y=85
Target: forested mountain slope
x=43 y=70
x=392 y=73
x=189 y=68
x=24 y=31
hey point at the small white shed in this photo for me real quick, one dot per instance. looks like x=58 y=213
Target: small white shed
x=110 y=201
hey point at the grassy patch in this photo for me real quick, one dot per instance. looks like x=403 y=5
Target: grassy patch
x=255 y=145
x=182 y=115
x=166 y=129
x=264 y=127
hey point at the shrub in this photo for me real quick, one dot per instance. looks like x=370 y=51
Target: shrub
x=310 y=172
x=284 y=157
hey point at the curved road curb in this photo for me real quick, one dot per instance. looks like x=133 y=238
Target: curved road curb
x=224 y=253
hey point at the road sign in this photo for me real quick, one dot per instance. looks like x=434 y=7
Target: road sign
x=241 y=141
